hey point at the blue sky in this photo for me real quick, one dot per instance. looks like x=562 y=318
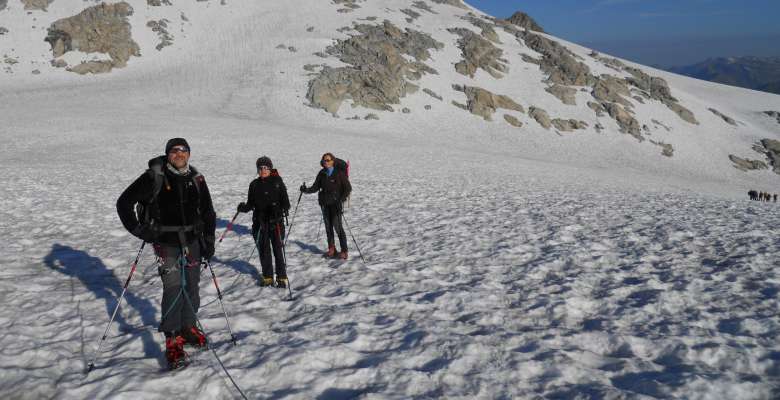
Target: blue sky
x=665 y=32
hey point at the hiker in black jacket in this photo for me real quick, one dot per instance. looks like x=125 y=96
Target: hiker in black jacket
x=268 y=200
x=333 y=188
x=179 y=220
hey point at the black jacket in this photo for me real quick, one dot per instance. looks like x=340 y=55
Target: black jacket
x=267 y=198
x=179 y=203
x=333 y=190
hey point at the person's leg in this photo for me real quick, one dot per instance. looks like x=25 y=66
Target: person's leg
x=338 y=223
x=277 y=243
x=327 y=213
x=192 y=286
x=172 y=299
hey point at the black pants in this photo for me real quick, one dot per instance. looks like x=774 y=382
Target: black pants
x=331 y=215
x=270 y=236
x=180 y=277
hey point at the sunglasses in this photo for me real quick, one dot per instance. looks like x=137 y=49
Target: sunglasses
x=263 y=168
x=327 y=159
x=179 y=149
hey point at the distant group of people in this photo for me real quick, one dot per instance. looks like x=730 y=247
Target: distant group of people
x=762 y=196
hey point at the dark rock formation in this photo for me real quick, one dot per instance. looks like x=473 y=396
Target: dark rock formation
x=413 y=15
x=541 y=116
x=565 y=93
x=378 y=73
x=666 y=148
x=511 y=120
x=726 y=118
x=773 y=114
x=772 y=152
x=743 y=164
x=3 y=4
x=568 y=125
x=484 y=103
x=487 y=28
x=478 y=53
x=419 y=4
x=454 y=3
x=3 y=31
x=628 y=124
x=99 y=29
x=161 y=29
x=433 y=94
x=524 y=20
x=37 y=4
x=158 y=3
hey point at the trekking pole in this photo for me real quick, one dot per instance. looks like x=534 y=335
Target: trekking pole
x=293 y=218
x=353 y=239
x=219 y=296
x=284 y=257
x=91 y=365
x=229 y=227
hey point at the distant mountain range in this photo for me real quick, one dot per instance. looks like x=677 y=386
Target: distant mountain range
x=758 y=73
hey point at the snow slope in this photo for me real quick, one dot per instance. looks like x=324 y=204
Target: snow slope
x=501 y=262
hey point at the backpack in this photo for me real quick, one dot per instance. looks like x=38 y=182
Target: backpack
x=146 y=211
x=341 y=165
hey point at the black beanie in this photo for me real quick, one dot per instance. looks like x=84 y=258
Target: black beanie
x=176 y=142
x=264 y=160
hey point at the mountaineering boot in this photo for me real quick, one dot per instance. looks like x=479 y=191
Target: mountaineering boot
x=343 y=255
x=174 y=352
x=281 y=282
x=267 y=281
x=193 y=336
x=331 y=251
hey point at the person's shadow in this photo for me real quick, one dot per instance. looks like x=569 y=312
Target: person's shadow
x=106 y=286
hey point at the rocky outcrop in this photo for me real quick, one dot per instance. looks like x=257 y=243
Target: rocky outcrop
x=158 y=3
x=433 y=94
x=658 y=89
x=419 y=4
x=484 y=103
x=161 y=29
x=378 y=74
x=3 y=31
x=478 y=53
x=454 y=3
x=511 y=120
x=773 y=114
x=524 y=20
x=628 y=124
x=568 y=125
x=487 y=28
x=725 y=118
x=597 y=108
x=540 y=116
x=413 y=15
x=609 y=89
x=3 y=4
x=743 y=164
x=564 y=93
x=666 y=148
x=772 y=151
x=348 y=5
x=558 y=62
x=42 y=5
x=99 y=29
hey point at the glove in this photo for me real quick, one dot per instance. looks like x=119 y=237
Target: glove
x=286 y=212
x=208 y=250
x=303 y=187
x=147 y=233
x=243 y=207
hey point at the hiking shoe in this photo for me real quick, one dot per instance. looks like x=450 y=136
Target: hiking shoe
x=281 y=282
x=331 y=252
x=343 y=255
x=267 y=281
x=174 y=351
x=193 y=336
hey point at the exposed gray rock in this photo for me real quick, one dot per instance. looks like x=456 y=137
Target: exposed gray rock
x=666 y=148
x=609 y=89
x=484 y=103
x=99 y=29
x=321 y=54
x=454 y=3
x=597 y=108
x=513 y=121
x=310 y=29
x=613 y=63
x=726 y=118
x=628 y=124
x=371 y=116
x=312 y=67
x=423 y=6
x=161 y=29
x=292 y=49
x=157 y=3
x=433 y=94
x=530 y=59
x=428 y=107
x=540 y=116
x=487 y=28
x=773 y=114
x=349 y=5
x=477 y=53
x=59 y=63
x=42 y=5
x=682 y=112
x=658 y=89
x=558 y=62
x=406 y=111
x=3 y=4
x=568 y=125
x=36 y=72
x=564 y=93
x=598 y=127
x=413 y=15
x=378 y=73
x=772 y=153
x=3 y=31
x=743 y=164
x=524 y=20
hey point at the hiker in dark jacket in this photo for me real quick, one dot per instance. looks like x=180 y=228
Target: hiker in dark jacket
x=179 y=220
x=268 y=200
x=333 y=188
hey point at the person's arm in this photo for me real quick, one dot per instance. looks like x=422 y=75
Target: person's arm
x=209 y=219
x=140 y=190
x=285 y=197
x=346 y=188
x=315 y=187
x=250 y=200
